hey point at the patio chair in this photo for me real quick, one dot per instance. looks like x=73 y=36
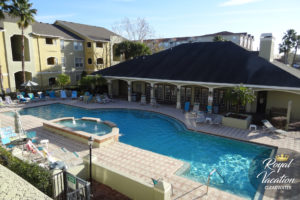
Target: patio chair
x=107 y=99
x=63 y=94
x=200 y=117
x=217 y=120
x=8 y=100
x=32 y=98
x=88 y=99
x=1 y=102
x=270 y=128
x=143 y=100
x=209 y=109
x=74 y=94
x=187 y=106
x=195 y=108
x=22 y=99
x=99 y=99
x=52 y=95
x=41 y=96
x=153 y=102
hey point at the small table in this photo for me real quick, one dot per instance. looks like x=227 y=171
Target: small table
x=252 y=126
x=44 y=143
x=208 y=119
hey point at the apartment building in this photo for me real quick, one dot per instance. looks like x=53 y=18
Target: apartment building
x=242 y=39
x=52 y=49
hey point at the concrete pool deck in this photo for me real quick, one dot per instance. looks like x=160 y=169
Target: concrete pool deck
x=141 y=163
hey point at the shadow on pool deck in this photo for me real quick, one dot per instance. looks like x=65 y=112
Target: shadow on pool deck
x=101 y=191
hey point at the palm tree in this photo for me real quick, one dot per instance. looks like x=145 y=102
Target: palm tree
x=288 y=42
x=3 y=8
x=297 y=44
x=22 y=9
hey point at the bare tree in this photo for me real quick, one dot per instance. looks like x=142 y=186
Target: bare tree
x=138 y=29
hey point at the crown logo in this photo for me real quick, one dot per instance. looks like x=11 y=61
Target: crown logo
x=282 y=157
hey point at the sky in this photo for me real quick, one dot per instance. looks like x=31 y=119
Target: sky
x=176 y=18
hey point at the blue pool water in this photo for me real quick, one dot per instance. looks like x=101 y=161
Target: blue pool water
x=87 y=126
x=167 y=136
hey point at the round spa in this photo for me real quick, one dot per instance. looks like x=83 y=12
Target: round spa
x=103 y=132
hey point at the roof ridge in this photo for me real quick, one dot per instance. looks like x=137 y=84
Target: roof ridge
x=81 y=24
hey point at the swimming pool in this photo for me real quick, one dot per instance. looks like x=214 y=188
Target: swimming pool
x=167 y=136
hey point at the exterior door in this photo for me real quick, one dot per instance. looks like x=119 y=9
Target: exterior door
x=261 y=102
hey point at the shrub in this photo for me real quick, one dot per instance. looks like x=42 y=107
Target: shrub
x=31 y=172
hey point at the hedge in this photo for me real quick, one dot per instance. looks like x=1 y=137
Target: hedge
x=31 y=172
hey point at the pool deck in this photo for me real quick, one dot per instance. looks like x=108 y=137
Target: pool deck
x=141 y=163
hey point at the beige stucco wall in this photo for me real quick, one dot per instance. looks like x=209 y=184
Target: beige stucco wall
x=16 y=66
x=280 y=100
x=69 y=53
x=3 y=62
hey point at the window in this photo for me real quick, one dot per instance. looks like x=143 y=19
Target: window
x=51 y=61
x=78 y=62
x=99 y=45
x=99 y=61
x=89 y=44
x=63 y=61
x=62 y=44
x=16 y=41
x=49 y=41
x=52 y=81
x=90 y=61
x=78 y=77
x=78 y=46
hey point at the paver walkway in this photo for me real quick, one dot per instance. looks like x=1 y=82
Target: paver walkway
x=145 y=164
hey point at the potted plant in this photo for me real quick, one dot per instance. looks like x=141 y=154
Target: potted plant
x=239 y=95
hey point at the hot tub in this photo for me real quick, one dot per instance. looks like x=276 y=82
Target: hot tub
x=103 y=132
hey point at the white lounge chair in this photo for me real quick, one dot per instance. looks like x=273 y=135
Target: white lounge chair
x=143 y=100
x=153 y=102
x=200 y=117
x=195 y=108
x=1 y=102
x=270 y=128
x=8 y=100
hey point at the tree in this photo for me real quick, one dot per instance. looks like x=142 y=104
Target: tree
x=288 y=42
x=132 y=49
x=218 y=38
x=297 y=44
x=137 y=30
x=63 y=80
x=93 y=83
x=3 y=8
x=22 y=9
x=240 y=95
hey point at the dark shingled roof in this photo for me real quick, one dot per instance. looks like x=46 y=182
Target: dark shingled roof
x=92 y=32
x=214 y=62
x=53 y=30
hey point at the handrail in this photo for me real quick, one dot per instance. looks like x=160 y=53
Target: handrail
x=208 y=178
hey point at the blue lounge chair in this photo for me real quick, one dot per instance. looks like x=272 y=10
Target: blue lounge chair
x=63 y=94
x=22 y=99
x=187 y=106
x=41 y=96
x=74 y=94
x=32 y=98
x=90 y=98
x=99 y=99
x=52 y=95
x=209 y=109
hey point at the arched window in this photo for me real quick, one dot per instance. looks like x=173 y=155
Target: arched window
x=99 y=61
x=90 y=61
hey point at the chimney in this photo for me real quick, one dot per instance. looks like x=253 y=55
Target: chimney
x=267 y=42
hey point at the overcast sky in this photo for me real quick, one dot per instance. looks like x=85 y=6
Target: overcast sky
x=174 y=18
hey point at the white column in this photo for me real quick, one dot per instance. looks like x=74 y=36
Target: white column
x=129 y=91
x=210 y=98
x=151 y=92
x=109 y=85
x=178 y=103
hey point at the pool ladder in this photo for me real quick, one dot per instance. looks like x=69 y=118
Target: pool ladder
x=208 y=178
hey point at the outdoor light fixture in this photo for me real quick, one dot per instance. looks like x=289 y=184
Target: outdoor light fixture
x=90 y=142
